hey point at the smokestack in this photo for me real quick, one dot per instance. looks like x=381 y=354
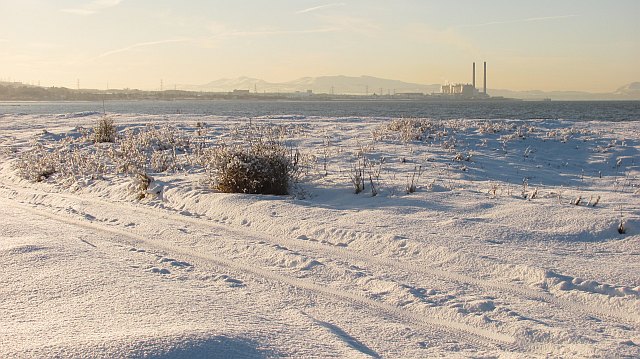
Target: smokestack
x=485 y=77
x=474 y=75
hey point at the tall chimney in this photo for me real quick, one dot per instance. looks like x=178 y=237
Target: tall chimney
x=474 y=76
x=485 y=77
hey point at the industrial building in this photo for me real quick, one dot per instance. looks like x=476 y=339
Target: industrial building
x=458 y=89
x=467 y=91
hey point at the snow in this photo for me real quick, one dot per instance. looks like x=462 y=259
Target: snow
x=490 y=256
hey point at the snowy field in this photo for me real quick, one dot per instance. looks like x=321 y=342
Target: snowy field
x=470 y=239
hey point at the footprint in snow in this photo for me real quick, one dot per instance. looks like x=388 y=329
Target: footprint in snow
x=24 y=249
x=311 y=265
x=279 y=247
x=175 y=263
x=232 y=282
x=160 y=270
x=421 y=293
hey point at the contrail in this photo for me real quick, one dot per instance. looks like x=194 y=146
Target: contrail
x=320 y=7
x=280 y=32
x=141 y=44
x=531 y=19
x=92 y=7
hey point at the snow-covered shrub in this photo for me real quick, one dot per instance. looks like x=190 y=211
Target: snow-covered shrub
x=64 y=161
x=259 y=168
x=104 y=130
x=70 y=159
x=151 y=148
x=36 y=164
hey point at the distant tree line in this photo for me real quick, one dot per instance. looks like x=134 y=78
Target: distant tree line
x=22 y=92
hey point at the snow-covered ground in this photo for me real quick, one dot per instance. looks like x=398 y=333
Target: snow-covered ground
x=508 y=247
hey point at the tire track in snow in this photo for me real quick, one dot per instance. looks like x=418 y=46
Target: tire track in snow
x=319 y=249
x=463 y=332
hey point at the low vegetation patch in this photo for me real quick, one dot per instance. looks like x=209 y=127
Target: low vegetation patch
x=394 y=157
x=253 y=159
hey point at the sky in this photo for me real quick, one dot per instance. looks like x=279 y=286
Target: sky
x=584 y=45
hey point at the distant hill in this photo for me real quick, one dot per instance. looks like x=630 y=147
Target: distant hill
x=628 y=92
x=632 y=89
x=348 y=85
x=226 y=85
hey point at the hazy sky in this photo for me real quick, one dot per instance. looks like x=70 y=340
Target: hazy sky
x=591 y=45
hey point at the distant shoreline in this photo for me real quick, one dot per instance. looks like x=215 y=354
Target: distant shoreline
x=26 y=93
x=361 y=99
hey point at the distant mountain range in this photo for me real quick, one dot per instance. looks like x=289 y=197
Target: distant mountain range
x=350 y=85
x=346 y=85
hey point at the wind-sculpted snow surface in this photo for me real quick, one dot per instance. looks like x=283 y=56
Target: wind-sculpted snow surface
x=467 y=239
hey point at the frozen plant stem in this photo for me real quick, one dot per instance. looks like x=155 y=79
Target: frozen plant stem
x=412 y=185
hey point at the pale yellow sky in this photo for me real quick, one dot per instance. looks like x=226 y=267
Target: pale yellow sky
x=583 y=45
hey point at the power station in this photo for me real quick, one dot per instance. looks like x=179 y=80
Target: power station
x=467 y=91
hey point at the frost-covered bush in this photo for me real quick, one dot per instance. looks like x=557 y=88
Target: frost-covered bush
x=129 y=157
x=104 y=130
x=75 y=158
x=408 y=129
x=66 y=162
x=36 y=164
x=259 y=168
x=151 y=148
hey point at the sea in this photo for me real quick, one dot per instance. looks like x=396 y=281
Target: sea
x=487 y=109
